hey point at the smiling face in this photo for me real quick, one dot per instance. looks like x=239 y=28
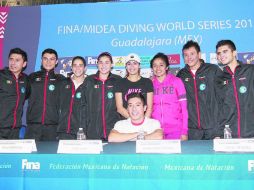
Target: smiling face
x=133 y=67
x=104 y=65
x=192 y=58
x=159 y=68
x=49 y=61
x=136 y=109
x=78 y=68
x=16 y=63
x=225 y=55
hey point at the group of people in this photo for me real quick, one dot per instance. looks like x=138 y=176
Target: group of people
x=196 y=104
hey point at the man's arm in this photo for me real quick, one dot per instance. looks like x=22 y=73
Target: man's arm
x=119 y=105
x=149 y=103
x=156 y=135
x=115 y=136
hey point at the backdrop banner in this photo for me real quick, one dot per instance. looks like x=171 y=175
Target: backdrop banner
x=143 y=27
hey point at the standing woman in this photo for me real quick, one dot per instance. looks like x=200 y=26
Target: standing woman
x=101 y=114
x=72 y=101
x=169 y=100
x=133 y=82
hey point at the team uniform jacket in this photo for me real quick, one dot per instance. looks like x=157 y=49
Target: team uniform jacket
x=43 y=102
x=170 y=105
x=71 y=103
x=13 y=93
x=101 y=106
x=201 y=96
x=237 y=100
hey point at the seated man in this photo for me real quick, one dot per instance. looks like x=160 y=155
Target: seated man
x=137 y=123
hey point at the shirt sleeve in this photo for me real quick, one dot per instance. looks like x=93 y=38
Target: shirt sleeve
x=149 y=85
x=117 y=87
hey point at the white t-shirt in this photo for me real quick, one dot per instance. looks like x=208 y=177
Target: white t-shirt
x=148 y=126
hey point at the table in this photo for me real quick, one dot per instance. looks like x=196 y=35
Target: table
x=119 y=167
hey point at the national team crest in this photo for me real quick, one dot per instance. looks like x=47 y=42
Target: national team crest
x=51 y=87
x=243 y=89
x=110 y=95
x=23 y=90
x=202 y=86
x=78 y=95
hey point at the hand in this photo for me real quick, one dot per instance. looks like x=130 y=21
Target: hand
x=184 y=137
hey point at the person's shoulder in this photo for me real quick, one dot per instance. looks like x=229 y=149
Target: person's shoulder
x=122 y=122
x=114 y=76
x=182 y=72
x=146 y=81
x=211 y=66
x=90 y=78
x=60 y=77
x=151 y=120
x=35 y=74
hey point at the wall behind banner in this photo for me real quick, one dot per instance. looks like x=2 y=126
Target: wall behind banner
x=120 y=28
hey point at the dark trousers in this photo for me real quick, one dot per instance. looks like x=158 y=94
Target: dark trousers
x=67 y=136
x=200 y=134
x=9 y=133
x=41 y=132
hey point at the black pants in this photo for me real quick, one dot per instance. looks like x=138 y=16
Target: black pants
x=41 y=132
x=201 y=134
x=9 y=133
x=67 y=136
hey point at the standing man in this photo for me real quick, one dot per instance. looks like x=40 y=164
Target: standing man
x=13 y=91
x=199 y=81
x=43 y=103
x=72 y=101
x=236 y=92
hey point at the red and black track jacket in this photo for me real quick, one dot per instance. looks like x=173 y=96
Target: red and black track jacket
x=72 y=108
x=13 y=93
x=43 y=102
x=201 y=96
x=101 y=106
x=237 y=100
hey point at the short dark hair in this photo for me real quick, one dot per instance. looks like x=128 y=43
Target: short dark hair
x=80 y=58
x=107 y=54
x=20 y=52
x=136 y=95
x=229 y=43
x=190 y=44
x=160 y=56
x=50 y=51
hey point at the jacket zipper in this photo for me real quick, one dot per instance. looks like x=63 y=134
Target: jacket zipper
x=237 y=103
x=17 y=103
x=103 y=110
x=196 y=98
x=71 y=107
x=44 y=99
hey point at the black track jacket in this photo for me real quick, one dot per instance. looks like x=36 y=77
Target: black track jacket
x=12 y=96
x=101 y=106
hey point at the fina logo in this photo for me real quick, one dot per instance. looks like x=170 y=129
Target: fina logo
x=251 y=165
x=30 y=165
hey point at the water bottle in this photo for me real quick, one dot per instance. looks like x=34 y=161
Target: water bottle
x=80 y=134
x=227 y=132
x=141 y=135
